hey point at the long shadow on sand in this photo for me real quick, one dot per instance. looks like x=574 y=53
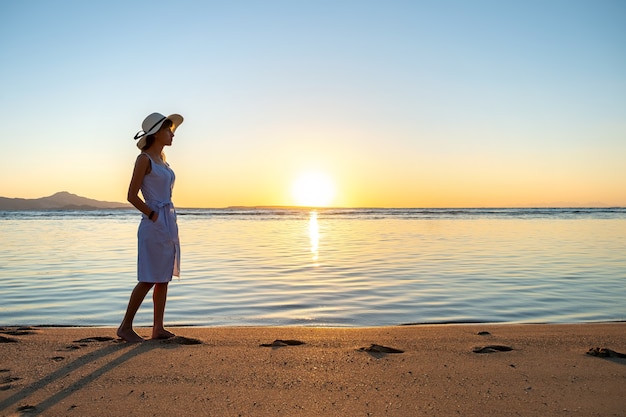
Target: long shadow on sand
x=132 y=350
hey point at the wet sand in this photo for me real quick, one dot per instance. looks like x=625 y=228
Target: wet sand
x=424 y=370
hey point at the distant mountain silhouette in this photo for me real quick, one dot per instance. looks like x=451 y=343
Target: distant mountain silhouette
x=59 y=201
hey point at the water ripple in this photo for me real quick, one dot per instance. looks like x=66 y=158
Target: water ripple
x=366 y=267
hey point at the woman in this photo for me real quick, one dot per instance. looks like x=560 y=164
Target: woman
x=158 y=256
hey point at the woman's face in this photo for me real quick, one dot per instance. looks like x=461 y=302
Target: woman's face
x=164 y=136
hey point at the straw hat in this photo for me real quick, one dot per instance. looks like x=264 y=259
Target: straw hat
x=153 y=123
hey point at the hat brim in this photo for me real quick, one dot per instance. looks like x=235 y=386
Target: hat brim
x=176 y=119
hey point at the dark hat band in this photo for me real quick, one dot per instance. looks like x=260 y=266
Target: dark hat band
x=139 y=134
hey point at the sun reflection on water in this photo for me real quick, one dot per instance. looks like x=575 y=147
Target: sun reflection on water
x=314 y=236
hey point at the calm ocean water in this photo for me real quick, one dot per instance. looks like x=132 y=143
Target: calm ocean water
x=344 y=267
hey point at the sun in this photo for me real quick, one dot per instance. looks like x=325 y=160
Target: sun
x=313 y=189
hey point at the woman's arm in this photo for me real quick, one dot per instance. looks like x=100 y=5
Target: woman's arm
x=142 y=166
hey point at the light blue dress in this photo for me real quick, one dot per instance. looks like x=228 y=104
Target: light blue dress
x=158 y=256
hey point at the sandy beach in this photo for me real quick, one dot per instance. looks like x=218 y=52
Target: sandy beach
x=423 y=370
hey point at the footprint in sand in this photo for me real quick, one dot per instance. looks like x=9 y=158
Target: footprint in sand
x=605 y=353
x=181 y=340
x=4 y=339
x=374 y=348
x=281 y=343
x=22 y=331
x=19 y=331
x=6 y=382
x=94 y=339
x=72 y=347
x=26 y=408
x=492 y=349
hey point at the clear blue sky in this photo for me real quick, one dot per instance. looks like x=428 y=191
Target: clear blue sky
x=402 y=103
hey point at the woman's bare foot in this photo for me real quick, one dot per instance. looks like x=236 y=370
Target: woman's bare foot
x=129 y=335
x=162 y=334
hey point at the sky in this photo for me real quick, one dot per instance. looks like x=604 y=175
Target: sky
x=447 y=103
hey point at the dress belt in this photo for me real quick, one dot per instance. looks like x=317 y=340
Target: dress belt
x=167 y=218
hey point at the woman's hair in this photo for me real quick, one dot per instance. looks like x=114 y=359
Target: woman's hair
x=167 y=124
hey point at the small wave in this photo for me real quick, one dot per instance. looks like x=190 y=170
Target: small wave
x=341 y=213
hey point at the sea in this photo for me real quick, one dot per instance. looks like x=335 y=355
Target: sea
x=323 y=267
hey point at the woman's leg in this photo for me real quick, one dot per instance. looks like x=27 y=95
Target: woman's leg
x=125 y=331
x=159 y=297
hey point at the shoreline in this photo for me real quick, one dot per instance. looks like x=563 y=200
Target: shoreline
x=314 y=326
x=477 y=369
